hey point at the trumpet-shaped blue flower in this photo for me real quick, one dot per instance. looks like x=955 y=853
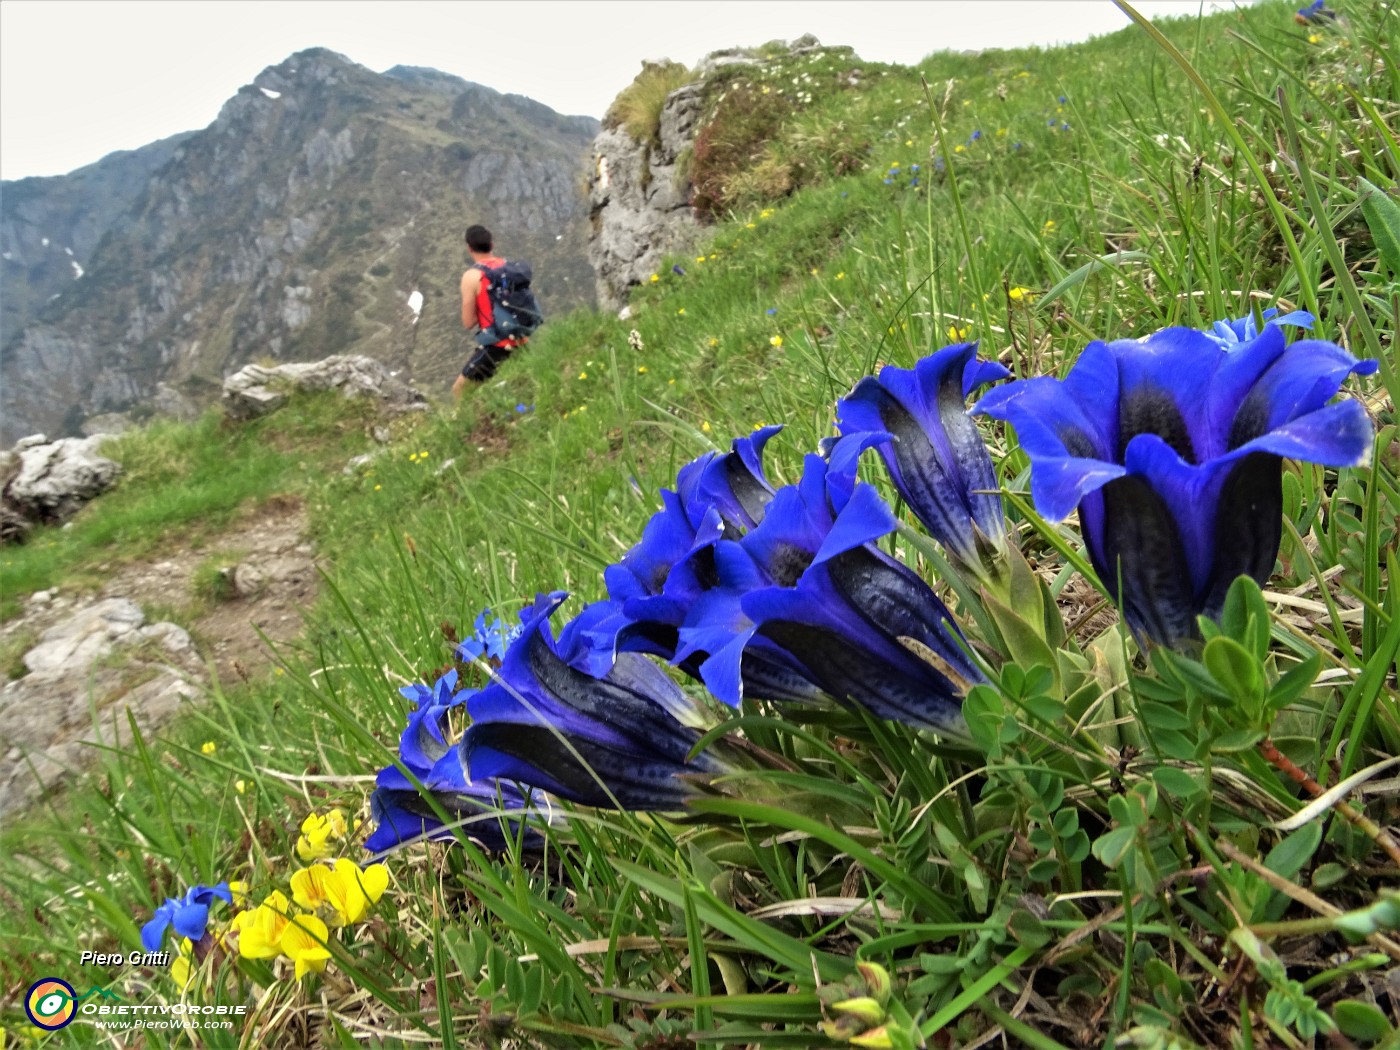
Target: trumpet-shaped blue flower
x=936 y=456
x=1243 y=329
x=620 y=739
x=651 y=590
x=188 y=914
x=809 y=591
x=1171 y=448
x=1316 y=13
x=489 y=639
x=400 y=810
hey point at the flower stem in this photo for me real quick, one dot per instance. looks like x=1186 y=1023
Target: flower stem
x=1365 y=824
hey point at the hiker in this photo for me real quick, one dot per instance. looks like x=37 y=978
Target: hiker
x=477 y=312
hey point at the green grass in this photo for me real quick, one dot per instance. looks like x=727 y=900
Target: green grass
x=1109 y=863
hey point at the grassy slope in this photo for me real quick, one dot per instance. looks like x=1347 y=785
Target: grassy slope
x=790 y=304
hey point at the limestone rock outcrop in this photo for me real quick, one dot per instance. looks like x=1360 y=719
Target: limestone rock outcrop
x=256 y=390
x=90 y=676
x=47 y=482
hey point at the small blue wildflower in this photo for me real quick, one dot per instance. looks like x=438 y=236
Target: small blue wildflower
x=913 y=167
x=676 y=269
x=913 y=182
x=488 y=639
x=188 y=914
x=522 y=408
x=845 y=193
x=1050 y=123
x=1064 y=127
x=889 y=182
x=976 y=135
x=1015 y=145
x=771 y=311
x=1062 y=100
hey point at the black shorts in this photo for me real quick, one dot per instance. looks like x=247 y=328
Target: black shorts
x=483 y=364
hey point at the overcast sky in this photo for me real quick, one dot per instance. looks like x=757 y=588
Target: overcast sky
x=79 y=79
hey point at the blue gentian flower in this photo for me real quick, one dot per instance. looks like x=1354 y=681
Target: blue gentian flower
x=975 y=135
x=808 y=589
x=1243 y=329
x=1063 y=100
x=1316 y=13
x=936 y=456
x=653 y=590
x=401 y=812
x=771 y=311
x=617 y=740
x=1064 y=127
x=913 y=167
x=1171 y=448
x=522 y=408
x=188 y=914
x=489 y=639
x=913 y=182
x=888 y=181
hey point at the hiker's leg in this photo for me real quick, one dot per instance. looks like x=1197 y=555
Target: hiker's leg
x=458 y=386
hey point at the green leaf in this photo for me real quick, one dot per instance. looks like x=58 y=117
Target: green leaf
x=1177 y=783
x=1235 y=668
x=1362 y=1021
x=1112 y=847
x=1383 y=217
x=1237 y=740
x=1289 y=856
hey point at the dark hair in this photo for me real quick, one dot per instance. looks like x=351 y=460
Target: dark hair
x=478 y=238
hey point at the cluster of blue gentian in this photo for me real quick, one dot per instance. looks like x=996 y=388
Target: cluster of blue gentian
x=1170 y=448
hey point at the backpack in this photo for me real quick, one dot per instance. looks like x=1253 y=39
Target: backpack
x=515 y=314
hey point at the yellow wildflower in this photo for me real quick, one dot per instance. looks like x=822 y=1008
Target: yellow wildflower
x=180 y=965
x=680 y=312
x=714 y=342
x=208 y=747
x=699 y=258
x=705 y=426
x=341 y=894
x=909 y=142
x=1001 y=132
x=641 y=370
x=956 y=334
x=776 y=340
x=814 y=271
x=1049 y=224
x=841 y=276
x=1313 y=38
x=750 y=225
x=317 y=834
x=959 y=148
x=423 y=455
x=260 y=929
x=241 y=786
x=304 y=942
x=1023 y=73
x=378 y=487
x=670 y=382
x=583 y=375
x=654 y=278
x=1018 y=293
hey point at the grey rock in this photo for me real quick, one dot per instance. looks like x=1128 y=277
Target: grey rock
x=256 y=390
x=50 y=482
x=248 y=580
x=78 y=698
x=84 y=637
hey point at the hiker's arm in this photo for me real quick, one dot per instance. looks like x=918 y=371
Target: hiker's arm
x=471 y=282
